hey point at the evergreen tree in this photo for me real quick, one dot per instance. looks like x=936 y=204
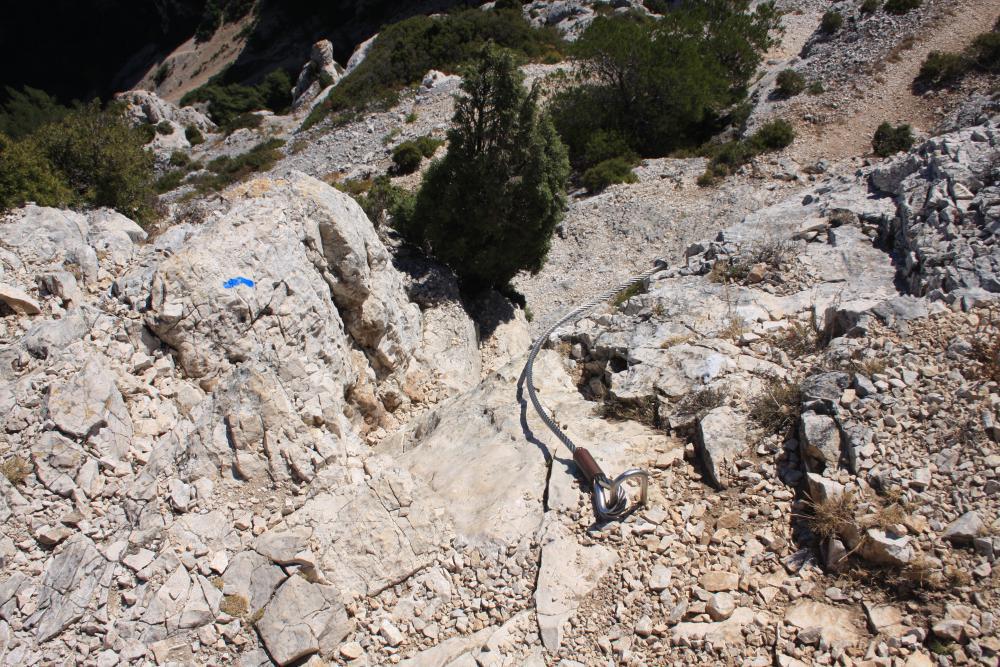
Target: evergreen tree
x=489 y=207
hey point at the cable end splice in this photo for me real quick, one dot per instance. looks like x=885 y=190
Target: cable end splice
x=609 y=496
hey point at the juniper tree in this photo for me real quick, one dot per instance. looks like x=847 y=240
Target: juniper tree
x=489 y=207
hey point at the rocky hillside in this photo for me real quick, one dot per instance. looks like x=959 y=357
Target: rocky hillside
x=265 y=432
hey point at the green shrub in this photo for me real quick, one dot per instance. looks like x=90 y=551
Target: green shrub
x=89 y=157
x=985 y=51
x=403 y=53
x=170 y=180
x=869 y=6
x=193 y=135
x=608 y=172
x=385 y=202
x=164 y=127
x=24 y=111
x=790 y=83
x=832 y=22
x=146 y=132
x=901 y=6
x=941 y=68
x=660 y=85
x=489 y=207
x=179 y=159
x=772 y=136
x=161 y=74
x=889 y=140
x=244 y=120
x=406 y=158
x=428 y=145
x=227 y=170
x=726 y=158
x=657 y=6
x=228 y=101
x=816 y=88
x=27 y=175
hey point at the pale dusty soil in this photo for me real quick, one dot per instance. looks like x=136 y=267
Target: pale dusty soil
x=890 y=97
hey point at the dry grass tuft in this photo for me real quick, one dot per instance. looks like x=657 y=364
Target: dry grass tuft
x=778 y=406
x=235 y=605
x=699 y=403
x=797 y=340
x=644 y=410
x=15 y=469
x=833 y=517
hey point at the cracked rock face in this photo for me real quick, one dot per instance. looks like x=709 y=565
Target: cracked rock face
x=302 y=619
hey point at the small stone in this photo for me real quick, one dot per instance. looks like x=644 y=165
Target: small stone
x=390 y=633
x=18 y=300
x=720 y=606
x=714 y=582
x=52 y=535
x=660 y=578
x=351 y=651
x=644 y=626
x=949 y=630
x=964 y=529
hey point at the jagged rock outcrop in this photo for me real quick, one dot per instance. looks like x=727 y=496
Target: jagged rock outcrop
x=146 y=107
x=321 y=72
x=948 y=219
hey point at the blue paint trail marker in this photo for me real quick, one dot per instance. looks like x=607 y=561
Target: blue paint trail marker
x=237 y=281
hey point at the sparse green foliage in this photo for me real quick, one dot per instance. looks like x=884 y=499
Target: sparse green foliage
x=489 y=207
x=403 y=52
x=383 y=202
x=164 y=127
x=790 y=83
x=161 y=74
x=657 y=6
x=608 y=172
x=226 y=102
x=659 y=85
x=985 y=51
x=193 y=135
x=889 y=140
x=728 y=157
x=406 y=156
x=25 y=110
x=90 y=156
x=226 y=170
x=901 y=6
x=869 y=6
x=831 y=22
x=816 y=88
x=179 y=159
x=15 y=469
x=941 y=68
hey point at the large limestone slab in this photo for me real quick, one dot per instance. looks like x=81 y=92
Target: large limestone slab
x=373 y=534
x=302 y=619
x=568 y=572
x=837 y=624
x=89 y=402
x=68 y=585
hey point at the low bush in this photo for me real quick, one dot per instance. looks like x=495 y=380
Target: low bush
x=170 y=180
x=89 y=157
x=226 y=170
x=406 y=158
x=832 y=22
x=403 y=53
x=164 y=127
x=941 y=68
x=227 y=101
x=193 y=135
x=608 y=172
x=179 y=159
x=728 y=157
x=385 y=203
x=16 y=470
x=869 y=6
x=244 y=120
x=778 y=406
x=816 y=88
x=985 y=51
x=889 y=140
x=790 y=83
x=24 y=111
x=657 y=6
x=901 y=6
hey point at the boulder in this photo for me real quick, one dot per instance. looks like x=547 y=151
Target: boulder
x=18 y=301
x=819 y=438
x=89 y=405
x=68 y=585
x=722 y=436
x=303 y=618
x=964 y=529
x=836 y=624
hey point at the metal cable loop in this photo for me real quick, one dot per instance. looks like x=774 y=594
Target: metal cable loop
x=576 y=313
